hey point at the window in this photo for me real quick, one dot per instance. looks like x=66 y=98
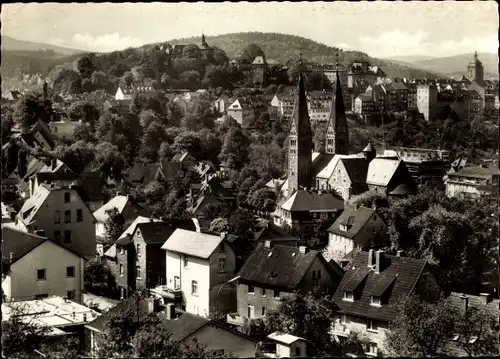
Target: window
x=71 y=294
x=349 y=296
x=40 y=274
x=372 y=348
x=251 y=290
x=222 y=261
x=138 y=249
x=371 y=325
x=70 y=271
x=57 y=217
x=185 y=261
x=251 y=311
x=345 y=319
x=41 y=296
x=57 y=236
x=319 y=273
x=194 y=287
x=276 y=294
x=79 y=215
x=375 y=300
x=138 y=272
x=67 y=236
x=121 y=269
x=263 y=311
x=177 y=282
x=314 y=274
x=122 y=293
x=67 y=216
x=66 y=197
x=263 y=292
x=297 y=352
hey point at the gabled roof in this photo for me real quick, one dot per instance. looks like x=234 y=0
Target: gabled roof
x=259 y=60
x=477 y=172
x=396 y=281
x=159 y=232
x=88 y=184
x=121 y=203
x=327 y=170
x=303 y=200
x=143 y=173
x=282 y=267
x=475 y=301
x=33 y=204
x=357 y=168
x=381 y=171
x=192 y=243
x=357 y=217
x=20 y=243
x=235 y=105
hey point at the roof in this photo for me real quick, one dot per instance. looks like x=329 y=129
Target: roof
x=259 y=60
x=159 y=232
x=281 y=266
x=192 y=243
x=284 y=338
x=365 y=97
x=476 y=301
x=20 y=243
x=397 y=281
x=356 y=168
x=399 y=86
x=32 y=205
x=369 y=148
x=143 y=173
x=381 y=171
x=357 y=218
x=235 y=105
x=121 y=203
x=183 y=325
x=477 y=172
x=327 y=170
x=303 y=200
x=402 y=189
x=88 y=184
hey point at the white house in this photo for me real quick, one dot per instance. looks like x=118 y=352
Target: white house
x=39 y=267
x=63 y=130
x=236 y=111
x=199 y=265
x=123 y=94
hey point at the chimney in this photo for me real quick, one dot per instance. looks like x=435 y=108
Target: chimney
x=464 y=303
x=11 y=255
x=40 y=232
x=151 y=220
x=400 y=253
x=118 y=193
x=170 y=311
x=379 y=261
x=53 y=164
x=486 y=297
x=371 y=258
x=268 y=244
x=303 y=249
x=129 y=196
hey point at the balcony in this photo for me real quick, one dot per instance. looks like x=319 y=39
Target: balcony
x=340 y=329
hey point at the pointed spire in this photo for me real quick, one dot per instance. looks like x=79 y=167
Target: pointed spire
x=300 y=112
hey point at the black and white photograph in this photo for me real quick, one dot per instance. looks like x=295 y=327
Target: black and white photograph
x=250 y=179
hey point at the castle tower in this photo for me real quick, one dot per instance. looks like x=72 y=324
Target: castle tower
x=475 y=70
x=300 y=144
x=337 y=133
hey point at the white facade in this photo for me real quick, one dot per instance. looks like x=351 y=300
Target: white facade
x=63 y=130
x=23 y=282
x=191 y=275
x=236 y=112
x=121 y=96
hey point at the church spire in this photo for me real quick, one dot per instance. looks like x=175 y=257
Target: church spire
x=300 y=140
x=337 y=134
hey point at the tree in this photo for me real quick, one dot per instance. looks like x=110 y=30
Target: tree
x=83 y=132
x=197 y=350
x=84 y=111
x=31 y=108
x=151 y=141
x=219 y=225
x=420 y=328
x=114 y=225
x=99 y=280
x=77 y=156
x=85 y=66
x=234 y=152
x=191 y=51
x=308 y=317
x=476 y=331
x=153 y=340
x=67 y=81
x=109 y=160
x=264 y=199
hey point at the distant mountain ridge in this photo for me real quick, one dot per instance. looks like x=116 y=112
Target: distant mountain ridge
x=11 y=44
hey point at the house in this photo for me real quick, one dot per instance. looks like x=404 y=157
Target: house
x=235 y=110
x=139 y=262
x=357 y=227
x=473 y=181
x=198 y=265
x=32 y=270
x=305 y=207
x=64 y=217
x=143 y=174
x=318 y=103
x=287 y=346
x=274 y=272
x=364 y=105
x=401 y=95
x=373 y=283
x=63 y=129
x=125 y=205
x=185 y=159
x=266 y=230
x=28 y=185
x=222 y=103
x=185 y=328
x=63 y=318
x=11 y=95
x=385 y=175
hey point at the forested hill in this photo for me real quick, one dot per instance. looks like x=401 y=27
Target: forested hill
x=283 y=47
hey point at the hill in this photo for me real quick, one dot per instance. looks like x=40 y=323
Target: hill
x=457 y=65
x=11 y=44
x=283 y=47
x=409 y=58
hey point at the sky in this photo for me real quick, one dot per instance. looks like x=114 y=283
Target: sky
x=381 y=29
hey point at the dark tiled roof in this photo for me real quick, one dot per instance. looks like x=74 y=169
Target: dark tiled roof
x=281 y=267
x=406 y=272
x=356 y=168
x=358 y=217
x=143 y=173
x=18 y=243
x=88 y=184
x=124 y=240
x=320 y=162
x=302 y=200
x=183 y=325
x=402 y=190
x=475 y=301
x=158 y=232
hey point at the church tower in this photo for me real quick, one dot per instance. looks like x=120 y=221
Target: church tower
x=475 y=70
x=337 y=133
x=300 y=145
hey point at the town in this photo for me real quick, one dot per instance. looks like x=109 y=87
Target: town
x=174 y=201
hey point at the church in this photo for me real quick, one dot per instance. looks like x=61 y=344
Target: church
x=318 y=183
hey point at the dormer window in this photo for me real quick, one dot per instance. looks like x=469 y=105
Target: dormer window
x=349 y=296
x=375 y=301
x=343 y=227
